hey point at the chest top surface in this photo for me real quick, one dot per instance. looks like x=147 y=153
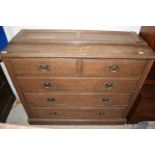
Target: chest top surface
x=77 y=43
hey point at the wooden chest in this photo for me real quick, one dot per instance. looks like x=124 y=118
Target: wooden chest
x=77 y=77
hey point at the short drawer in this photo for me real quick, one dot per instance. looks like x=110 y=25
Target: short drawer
x=44 y=66
x=77 y=99
x=35 y=84
x=113 y=67
x=55 y=113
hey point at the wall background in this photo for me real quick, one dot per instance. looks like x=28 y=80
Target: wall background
x=11 y=31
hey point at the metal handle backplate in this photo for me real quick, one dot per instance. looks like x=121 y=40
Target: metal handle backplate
x=109 y=85
x=105 y=100
x=47 y=85
x=43 y=67
x=50 y=100
x=53 y=113
x=114 y=68
x=102 y=114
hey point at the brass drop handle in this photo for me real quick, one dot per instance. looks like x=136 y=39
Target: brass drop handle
x=114 y=68
x=50 y=99
x=43 y=67
x=53 y=113
x=109 y=85
x=47 y=85
x=102 y=114
x=105 y=99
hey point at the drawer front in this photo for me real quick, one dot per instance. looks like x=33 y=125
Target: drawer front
x=55 y=113
x=113 y=68
x=44 y=66
x=77 y=84
x=73 y=99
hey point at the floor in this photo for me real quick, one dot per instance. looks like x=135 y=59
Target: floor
x=18 y=116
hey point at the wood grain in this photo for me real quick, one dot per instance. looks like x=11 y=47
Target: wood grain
x=77 y=99
x=56 y=67
x=36 y=84
x=68 y=113
x=66 y=76
x=103 y=68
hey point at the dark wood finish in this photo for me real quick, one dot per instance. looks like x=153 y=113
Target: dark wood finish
x=146 y=110
x=76 y=36
x=42 y=84
x=71 y=113
x=7 y=97
x=77 y=99
x=80 y=71
x=77 y=121
x=46 y=66
x=10 y=69
x=113 y=68
x=97 y=44
x=67 y=67
x=148 y=91
x=148 y=34
x=143 y=109
x=78 y=51
x=140 y=84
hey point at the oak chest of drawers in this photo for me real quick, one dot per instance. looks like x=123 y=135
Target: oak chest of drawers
x=77 y=77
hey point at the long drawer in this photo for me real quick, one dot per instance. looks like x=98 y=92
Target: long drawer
x=113 y=67
x=77 y=99
x=38 y=84
x=55 y=113
x=44 y=66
